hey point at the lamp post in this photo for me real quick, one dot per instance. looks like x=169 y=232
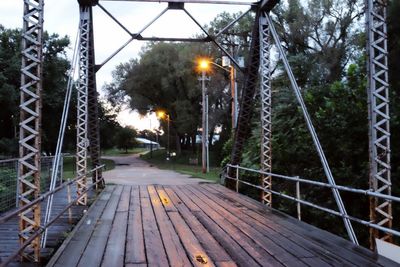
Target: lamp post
x=151 y=142
x=162 y=114
x=203 y=66
x=232 y=74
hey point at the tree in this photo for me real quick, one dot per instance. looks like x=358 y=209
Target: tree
x=325 y=46
x=55 y=68
x=125 y=138
x=163 y=79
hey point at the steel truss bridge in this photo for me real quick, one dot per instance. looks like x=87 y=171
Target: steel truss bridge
x=33 y=225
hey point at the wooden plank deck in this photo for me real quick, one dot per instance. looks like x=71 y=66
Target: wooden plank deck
x=57 y=232
x=199 y=225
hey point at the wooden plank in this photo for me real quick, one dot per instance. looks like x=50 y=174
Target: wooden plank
x=254 y=243
x=115 y=249
x=211 y=246
x=327 y=243
x=175 y=252
x=309 y=257
x=135 y=265
x=236 y=252
x=279 y=253
x=252 y=209
x=165 y=199
x=196 y=252
x=155 y=251
x=94 y=251
x=135 y=250
x=65 y=254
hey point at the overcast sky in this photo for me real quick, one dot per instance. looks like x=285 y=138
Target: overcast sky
x=62 y=17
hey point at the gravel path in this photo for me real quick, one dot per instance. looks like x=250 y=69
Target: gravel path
x=131 y=170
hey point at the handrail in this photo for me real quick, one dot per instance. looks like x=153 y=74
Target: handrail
x=368 y=192
x=307 y=203
x=11 y=214
x=41 y=198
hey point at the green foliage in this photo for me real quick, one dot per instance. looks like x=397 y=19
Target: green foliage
x=180 y=164
x=55 y=67
x=125 y=138
x=326 y=50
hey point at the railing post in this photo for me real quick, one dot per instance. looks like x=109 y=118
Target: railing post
x=226 y=173
x=237 y=178
x=298 y=196
x=61 y=169
x=97 y=179
x=17 y=186
x=69 y=201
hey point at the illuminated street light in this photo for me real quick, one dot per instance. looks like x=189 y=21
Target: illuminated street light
x=203 y=66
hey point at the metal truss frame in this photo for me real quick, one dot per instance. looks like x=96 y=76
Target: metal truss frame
x=247 y=100
x=266 y=110
x=93 y=109
x=180 y=6
x=82 y=105
x=29 y=127
x=313 y=133
x=379 y=119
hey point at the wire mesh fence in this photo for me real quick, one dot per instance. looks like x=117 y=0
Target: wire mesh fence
x=9 y=180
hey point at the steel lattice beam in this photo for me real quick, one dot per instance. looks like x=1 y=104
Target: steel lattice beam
x=266 y=109
x=82 y=116
x=379 y=118
x=243 y=128
x=93 y=108
x=29 y=127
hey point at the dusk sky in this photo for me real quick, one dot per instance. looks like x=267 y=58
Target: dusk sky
x=62 y=17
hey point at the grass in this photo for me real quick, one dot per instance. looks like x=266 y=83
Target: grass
x=69 y=166
x=181 y=164
x=117 y=152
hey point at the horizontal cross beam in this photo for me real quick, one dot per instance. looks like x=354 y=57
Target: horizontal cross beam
x=221 y=2
x=268 y=5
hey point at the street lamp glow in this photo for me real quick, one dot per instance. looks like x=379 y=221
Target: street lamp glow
x=204 y=64
x=161 y=114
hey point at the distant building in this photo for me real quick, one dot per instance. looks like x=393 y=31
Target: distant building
x=146 y=143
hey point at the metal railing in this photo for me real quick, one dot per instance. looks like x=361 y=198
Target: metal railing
x=237 y=171
x=44 y=196
x=9 y=181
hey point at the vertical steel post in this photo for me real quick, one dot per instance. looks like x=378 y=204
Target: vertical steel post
x=29 y=127
x=243 y=129
x=82 y=123
x=379 y=118
x=298 y=196
x=237 y=178
x=266 y=109
x=93 y=117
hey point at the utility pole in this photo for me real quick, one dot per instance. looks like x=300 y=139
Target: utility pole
x=203 y=136
x=234 y=96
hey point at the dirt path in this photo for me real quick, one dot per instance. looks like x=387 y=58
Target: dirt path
x=131 y=170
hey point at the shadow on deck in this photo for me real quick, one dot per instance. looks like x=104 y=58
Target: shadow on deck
x=200 y=225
